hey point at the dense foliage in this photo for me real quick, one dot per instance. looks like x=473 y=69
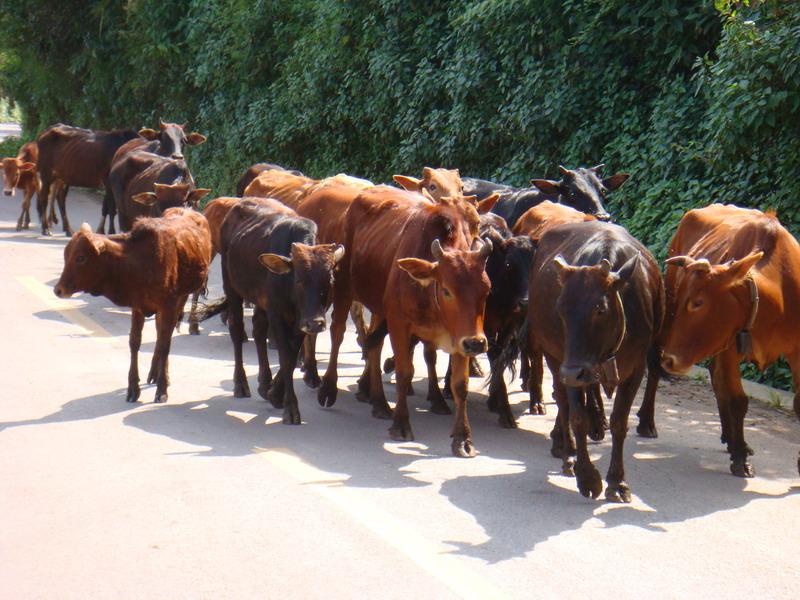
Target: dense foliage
x=700 y=101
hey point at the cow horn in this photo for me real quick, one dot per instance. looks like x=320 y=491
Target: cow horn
x=427 y=194
x=561 y=263
x=161 y=123
x=184 y=125
x=486 y=248
x=563 y=170
x=598 y=167
x=436 y=249
x=605 y=266
x=338 y=253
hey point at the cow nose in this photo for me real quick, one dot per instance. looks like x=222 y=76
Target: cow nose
x=313 y=325
x=59 y=291
x=177 y=156
x=7 y=192
x=577 y=376
x=603 y=216
x=669 y=362
x=474 y=345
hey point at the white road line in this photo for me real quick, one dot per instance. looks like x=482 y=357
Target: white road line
x=432 y=557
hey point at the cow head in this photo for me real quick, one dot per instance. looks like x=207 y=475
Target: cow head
x=582 y=189
x=508 y=267
x=83 y=271
x=312 y=270
x=439 y=183
x=168 y=196
x=591 y=311
x=460 y=287
x=709 y=305
x=12 y=169
x=172 y=138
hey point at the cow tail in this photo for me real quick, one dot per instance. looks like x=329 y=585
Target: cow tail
x=375 y=337
x=206 y=311
x=513 y=342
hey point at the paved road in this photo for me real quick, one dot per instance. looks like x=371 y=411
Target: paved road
x=209 y=496
x=9 y=129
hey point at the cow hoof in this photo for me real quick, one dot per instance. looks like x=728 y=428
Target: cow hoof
x=46 y=232
x=311 y=379
x=742 y=469
x=507 y=420
x=463 y=448
x=388 y=365
x=524 y=385
x=647 y=430
x=597 y=433
x=537 y=408
x=798 y=465
x=619 y=492
x=326 y=394
x=440 y=407
x=160 y=398
x=589 y=481
x=241 y=389
x=383 y=411
x=401 y=432
x=19 y=227
x=474 y=368
x=568 y=466
x=194 y=328
x=275 y=397
x=291 y=416
x=491 y=404
x=447 y=392
x=263 y=391
x=133 y=393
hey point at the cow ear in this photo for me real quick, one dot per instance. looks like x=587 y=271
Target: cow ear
x=737 y=270
x=427 y=173
x=27 y=166
x=412 y=184
x=626 y=271
x=422 y=271
x=195 y=139
x=97 y=242
x=145 y=198
x=148 y=134
x=615 y=181
x=548 y=186
x=280 y=265
x=487 y=204
x=196 y=195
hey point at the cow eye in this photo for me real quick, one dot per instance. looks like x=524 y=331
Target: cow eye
x=432 y=187
x=601 y=308
x=695 y=304
x=446 y=293
x=81 y=259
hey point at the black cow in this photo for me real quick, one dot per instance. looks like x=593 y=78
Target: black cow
x=582 y=189
x=169 y=141
x=596 y=305
x=146 y=184
x=270 y=258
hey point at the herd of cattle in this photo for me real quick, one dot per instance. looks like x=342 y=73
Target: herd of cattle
x=462 y=265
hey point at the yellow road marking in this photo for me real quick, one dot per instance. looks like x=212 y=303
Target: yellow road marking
x=432 y=557
x=71 y=309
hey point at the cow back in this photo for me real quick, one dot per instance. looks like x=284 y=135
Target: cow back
x=282 y=185
x=546 y=215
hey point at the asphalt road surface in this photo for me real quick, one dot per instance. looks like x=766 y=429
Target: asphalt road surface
x=209 y=496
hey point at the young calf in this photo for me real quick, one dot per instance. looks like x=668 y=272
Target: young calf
x=270 y=258
x=20 y=172
x=152 y=269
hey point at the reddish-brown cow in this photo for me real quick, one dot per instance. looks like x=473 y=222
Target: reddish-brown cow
x=77 y=157
x=733 y=288
x=254 y=171
x=420 y=267
x=176 y=250
x=20 y=172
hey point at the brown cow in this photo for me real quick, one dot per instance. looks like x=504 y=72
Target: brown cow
x=254 y=171
x=77 y=157
x=20 y=172
x=176 y=250
x=596 y=305
x=733 y=287
x=392 y=235
x=168 y=141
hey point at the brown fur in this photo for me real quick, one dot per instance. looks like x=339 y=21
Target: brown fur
x=537 y=220
x=20 y=172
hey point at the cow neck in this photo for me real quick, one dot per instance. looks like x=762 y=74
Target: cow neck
x=117 y=286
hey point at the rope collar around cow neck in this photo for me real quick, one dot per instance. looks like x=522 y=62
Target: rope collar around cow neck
x=744 y=339
x=609 y=374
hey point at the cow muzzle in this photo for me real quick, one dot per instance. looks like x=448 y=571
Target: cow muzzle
x=8 y=192
x=578 y=375
x=316 y=325
x=672 y=365
x=61 y=292
x=472 y=346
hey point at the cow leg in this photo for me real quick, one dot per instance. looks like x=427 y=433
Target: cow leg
x=311 y=374
x=438 y=405
x=374 y=384
x=289 y=342
x=524 y=369
x=42 y=205
x=498 y=393
x=357 y=316
x=108 y=206
x=404 y=371
x=794 y=364
x=536 y=405
x=588 y=477
x=260 y=328
x=647 y=411
x=26 y=206
x=134 y=342
x=58 y=185
x=194 y=326
x=326 y=394
x=563 y=442
x=62 y=208
x=617 y=489
x=165 y=323
x=596 y=413
x=364 y=387
x=241 y=389
x=461 y=445
x=727 y=379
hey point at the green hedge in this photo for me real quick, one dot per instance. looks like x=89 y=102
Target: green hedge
x=699 y=100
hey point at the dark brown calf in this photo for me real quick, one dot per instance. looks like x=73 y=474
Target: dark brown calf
x=176 y=250
x=20 y=172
